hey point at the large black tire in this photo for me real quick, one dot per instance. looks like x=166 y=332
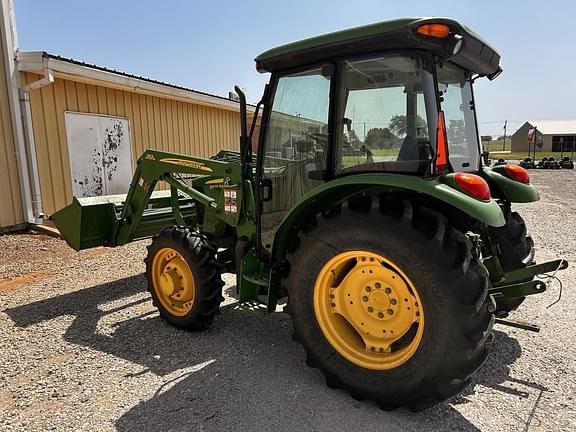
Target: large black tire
x=516 y=251
x=451 y=283
x=193 y=255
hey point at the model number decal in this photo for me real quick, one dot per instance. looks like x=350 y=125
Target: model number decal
x=187 y=163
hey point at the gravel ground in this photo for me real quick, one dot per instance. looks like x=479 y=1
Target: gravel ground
x=83 y=349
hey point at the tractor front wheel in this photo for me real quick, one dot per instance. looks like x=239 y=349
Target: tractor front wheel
x=183 y=278
x=389 y=303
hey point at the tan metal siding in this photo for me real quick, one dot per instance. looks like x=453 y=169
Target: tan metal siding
x=547 y=143
x=155 y=122
x=11 y=203
x=519 y=139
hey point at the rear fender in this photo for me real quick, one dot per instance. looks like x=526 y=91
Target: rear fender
x=504 y=187
x=327 y=195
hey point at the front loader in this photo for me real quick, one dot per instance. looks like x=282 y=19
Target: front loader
x=366 y=204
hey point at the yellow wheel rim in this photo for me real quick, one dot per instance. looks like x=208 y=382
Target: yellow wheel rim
x=173 y=281
x=368 y=310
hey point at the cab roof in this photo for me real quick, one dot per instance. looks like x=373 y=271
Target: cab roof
x=475 y=55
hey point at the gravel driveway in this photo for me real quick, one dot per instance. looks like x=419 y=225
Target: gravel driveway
x=82 y=348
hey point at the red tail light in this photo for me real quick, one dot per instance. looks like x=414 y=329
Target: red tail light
x=517 y=173
x=473 y=185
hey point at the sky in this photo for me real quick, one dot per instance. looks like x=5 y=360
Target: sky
x=210 y=45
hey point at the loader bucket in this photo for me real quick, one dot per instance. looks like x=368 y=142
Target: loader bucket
x=91 y=222
x=88 y=222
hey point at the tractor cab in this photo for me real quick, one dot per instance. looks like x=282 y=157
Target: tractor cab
x=393 y=97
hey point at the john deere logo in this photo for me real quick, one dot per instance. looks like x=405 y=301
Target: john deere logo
x=187 y=163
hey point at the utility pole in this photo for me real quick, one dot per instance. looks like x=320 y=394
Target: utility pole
x=364 y=131
x=504 y=145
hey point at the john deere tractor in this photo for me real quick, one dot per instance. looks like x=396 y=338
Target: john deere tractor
x=365 y=204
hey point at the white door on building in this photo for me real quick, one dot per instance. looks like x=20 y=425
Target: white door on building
x=100 y=154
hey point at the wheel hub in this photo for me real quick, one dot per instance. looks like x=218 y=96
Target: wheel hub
x=370 y=305
x=173 y=281
x=167 y=283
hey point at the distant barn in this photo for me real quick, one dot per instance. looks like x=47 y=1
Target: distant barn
x=555 y=135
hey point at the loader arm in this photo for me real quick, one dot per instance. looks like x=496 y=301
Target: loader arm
x=194 y=182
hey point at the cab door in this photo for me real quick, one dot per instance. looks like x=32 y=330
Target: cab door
x=295 y=144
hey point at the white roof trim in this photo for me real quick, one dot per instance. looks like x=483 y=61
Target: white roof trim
x=34 y=62
x=554 y=127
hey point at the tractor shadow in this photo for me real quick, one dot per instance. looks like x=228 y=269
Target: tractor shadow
x=243 y=373
x=495 y=373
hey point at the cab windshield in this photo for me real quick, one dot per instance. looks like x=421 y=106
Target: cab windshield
x=455 y=91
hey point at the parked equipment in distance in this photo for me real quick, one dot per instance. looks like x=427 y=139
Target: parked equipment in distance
x=566 y=163
x=527 y=163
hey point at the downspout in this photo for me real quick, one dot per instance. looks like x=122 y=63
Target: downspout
x=47 y=79
x=9 y=41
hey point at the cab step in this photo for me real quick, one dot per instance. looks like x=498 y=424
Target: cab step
x=260 y=279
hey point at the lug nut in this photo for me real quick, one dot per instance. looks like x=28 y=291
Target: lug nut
x=368 y=289
x=370 y=309
x=365 y=298
x=380 y=315
x=390 y=312
x=377 y=285
x=388 y=290
x=393 y=301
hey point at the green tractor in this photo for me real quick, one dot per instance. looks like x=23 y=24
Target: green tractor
x=365 y=205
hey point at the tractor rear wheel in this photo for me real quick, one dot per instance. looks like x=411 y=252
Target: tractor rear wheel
x=183 y=278
x=516 y=251
x=389 y=303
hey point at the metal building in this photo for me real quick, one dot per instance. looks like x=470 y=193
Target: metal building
x=70 y=128
x=554 y=135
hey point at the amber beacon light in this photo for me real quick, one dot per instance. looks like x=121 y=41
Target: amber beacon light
x=440 y=31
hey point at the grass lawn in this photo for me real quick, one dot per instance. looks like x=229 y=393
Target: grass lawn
x=497 y=145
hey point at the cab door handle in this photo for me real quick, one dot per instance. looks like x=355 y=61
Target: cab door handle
x=265 y=190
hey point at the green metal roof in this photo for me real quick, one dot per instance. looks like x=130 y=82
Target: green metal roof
x=399 y=31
